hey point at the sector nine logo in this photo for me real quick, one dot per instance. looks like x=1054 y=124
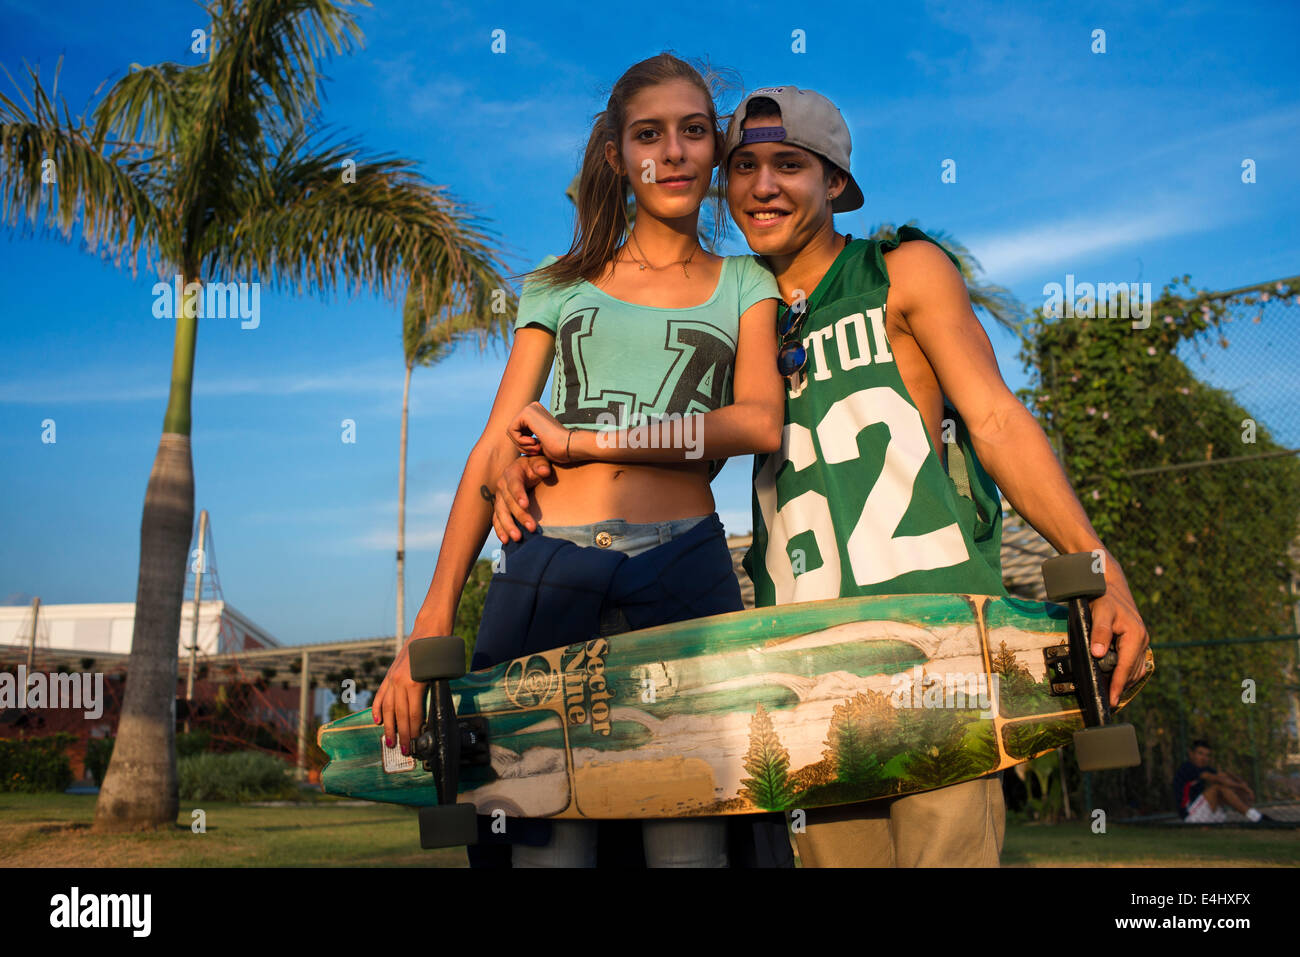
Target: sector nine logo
x=530 y=682
x=586 y=692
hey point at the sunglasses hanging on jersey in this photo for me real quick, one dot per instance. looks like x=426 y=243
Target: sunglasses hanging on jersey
x=792 y=356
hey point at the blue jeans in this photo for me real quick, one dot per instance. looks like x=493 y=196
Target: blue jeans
x=626 y=537
x=667 y=843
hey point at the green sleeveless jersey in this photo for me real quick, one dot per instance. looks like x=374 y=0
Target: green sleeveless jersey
x=856 y=502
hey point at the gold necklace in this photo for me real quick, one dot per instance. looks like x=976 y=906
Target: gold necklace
x=643 y=265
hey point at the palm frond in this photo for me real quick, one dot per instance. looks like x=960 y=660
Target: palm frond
x=266 y=53
x=302 y=223
x=262 y=75
x=998 y=301
x=146 y=107
x=219 y=168
x=479 y=308
x=86 y=178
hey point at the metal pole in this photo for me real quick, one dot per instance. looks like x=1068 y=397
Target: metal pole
x=31 y=645
x=303 y=694
x=401 y=519
x=194 y=626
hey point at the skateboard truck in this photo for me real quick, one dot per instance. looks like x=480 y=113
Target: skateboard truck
x=442 y=742
x=1072 y=580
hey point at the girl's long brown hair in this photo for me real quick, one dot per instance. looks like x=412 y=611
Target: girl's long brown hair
x=601 y=221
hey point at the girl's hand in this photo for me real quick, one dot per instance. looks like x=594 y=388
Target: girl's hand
x=399 y=703
x=535 y=431
x=514 y=487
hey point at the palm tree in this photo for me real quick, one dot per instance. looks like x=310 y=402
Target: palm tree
x=481 y=308
x=1004 y=308
x=216 y=170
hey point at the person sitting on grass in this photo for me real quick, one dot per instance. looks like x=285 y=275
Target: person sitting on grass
x=1201 y=792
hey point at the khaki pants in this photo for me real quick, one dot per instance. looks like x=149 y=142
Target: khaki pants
x=958 y=826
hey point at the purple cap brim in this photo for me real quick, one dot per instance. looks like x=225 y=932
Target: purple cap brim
x=762 y=134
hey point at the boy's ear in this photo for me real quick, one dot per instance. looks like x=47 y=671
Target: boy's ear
x=719 y=144
x=836 y=183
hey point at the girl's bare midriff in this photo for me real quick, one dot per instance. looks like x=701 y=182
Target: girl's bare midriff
x=600 y=491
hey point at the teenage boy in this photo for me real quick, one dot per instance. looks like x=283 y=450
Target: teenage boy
x=858 y=500
x=1201 y=792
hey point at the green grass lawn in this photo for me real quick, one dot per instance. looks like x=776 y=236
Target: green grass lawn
x=53 y=830
x=1128 y=845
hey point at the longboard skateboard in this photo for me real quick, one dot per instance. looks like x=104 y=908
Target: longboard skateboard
x=798 y=706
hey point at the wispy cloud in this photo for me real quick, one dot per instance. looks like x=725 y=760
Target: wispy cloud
x=378 y=378
x=1013 y=255
x=545 y=127
x=1193 y=198
x=426 y=520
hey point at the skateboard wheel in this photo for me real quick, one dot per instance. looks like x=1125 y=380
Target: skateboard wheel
x=434 y=658
x=1072 y=576
x=448 y=825
x=1110 y=746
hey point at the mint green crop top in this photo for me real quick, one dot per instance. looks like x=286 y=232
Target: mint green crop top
x=617 y=362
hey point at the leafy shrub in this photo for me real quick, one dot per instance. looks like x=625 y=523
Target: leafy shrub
x=238 y=776
x=35 y=764
x=99 y=751
x=195 y=742
x=1206 y=550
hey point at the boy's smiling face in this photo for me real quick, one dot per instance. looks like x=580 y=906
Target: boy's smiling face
x=778 y=193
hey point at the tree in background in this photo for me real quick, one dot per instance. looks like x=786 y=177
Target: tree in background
x=218 y=171
x=479 y=309
x=1204 y=542
x=469 y=612
x=1004 y=308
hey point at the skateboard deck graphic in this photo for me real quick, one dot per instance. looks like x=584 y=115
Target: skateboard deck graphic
x=805 y=705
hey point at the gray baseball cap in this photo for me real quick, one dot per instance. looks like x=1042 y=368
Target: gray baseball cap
x=808 y=120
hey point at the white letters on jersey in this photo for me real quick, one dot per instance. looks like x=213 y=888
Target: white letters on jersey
x=875 y=553
x=855 y=327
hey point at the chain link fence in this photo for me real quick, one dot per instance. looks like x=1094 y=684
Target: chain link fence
x=1180 y=430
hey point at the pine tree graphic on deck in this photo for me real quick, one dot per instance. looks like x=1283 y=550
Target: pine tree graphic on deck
x=769 y=764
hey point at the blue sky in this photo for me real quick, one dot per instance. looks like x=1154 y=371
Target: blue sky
x=1121 y=166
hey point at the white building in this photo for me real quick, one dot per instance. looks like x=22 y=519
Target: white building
x=105 y=627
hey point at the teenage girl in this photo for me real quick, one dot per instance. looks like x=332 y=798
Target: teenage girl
x=638 y=323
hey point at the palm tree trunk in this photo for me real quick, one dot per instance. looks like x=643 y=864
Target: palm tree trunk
x=401 y=517
x=140 y=789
